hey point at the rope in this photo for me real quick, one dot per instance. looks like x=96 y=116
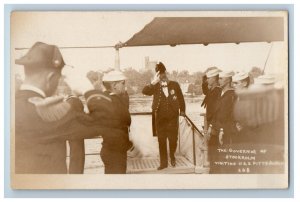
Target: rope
x=72 y=47
x=267 y=58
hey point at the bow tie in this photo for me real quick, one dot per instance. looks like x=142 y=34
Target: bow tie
x=164 y=84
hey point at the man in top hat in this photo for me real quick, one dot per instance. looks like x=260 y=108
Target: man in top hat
x=168 y=104
x=110 y=109
x=222 y=129
x=44 y=122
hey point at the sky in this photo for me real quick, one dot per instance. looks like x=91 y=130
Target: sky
x=108 y=28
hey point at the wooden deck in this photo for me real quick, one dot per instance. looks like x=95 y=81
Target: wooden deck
x=190 y=153
x=150 y=165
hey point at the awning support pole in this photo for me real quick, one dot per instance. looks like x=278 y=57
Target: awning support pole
x=117 y=60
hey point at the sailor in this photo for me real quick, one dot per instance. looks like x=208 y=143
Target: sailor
x=241 y=80
x=211 y=90
x=43 y=122
x=168 y=104
x=222 y=128
x=265 y=80
x=261 y=111
x=260 y=108
x=35 y=114
x=110 y=108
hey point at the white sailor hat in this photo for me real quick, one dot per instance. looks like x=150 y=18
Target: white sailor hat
x=265 y=79
x=212 y=73
x=240 y=76
x=114 y=75
x=226 y=74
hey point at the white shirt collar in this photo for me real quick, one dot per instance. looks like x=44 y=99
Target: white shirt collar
x=32 y=88
x=164 y=84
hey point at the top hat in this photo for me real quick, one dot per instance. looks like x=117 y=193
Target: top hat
x=160 y=67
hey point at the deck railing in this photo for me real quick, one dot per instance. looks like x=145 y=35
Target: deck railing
x=192 y=143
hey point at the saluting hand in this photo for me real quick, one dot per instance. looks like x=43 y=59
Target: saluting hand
x=79 y=84
x=156 y=78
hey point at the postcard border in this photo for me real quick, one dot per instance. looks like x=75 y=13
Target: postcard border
x=9 y=193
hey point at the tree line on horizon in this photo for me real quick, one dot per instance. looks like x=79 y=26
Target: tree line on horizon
x=137 y=79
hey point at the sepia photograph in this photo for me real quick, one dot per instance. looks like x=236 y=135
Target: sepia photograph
x=149 y=99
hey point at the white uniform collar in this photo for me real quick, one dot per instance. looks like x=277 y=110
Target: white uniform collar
x=32 y=88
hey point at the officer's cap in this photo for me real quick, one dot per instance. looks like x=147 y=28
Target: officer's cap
x=212 y=72
x=240 y=76
x=226 y=74
x=265 y=79
x=114 y=75
x=42 y=53
x=160 y=67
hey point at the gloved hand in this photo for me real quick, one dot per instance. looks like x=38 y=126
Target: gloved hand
x=238 y=126
x=79 y=84
x=182 y=114
x=208 y=133
x=156 y=78
x=130 y=145
x=221 y=134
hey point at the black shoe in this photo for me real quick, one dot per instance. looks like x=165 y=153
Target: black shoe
x=161 y=167
x=173 y=162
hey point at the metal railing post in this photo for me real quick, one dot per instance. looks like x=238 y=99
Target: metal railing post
x=194 y=147
x=179 y=142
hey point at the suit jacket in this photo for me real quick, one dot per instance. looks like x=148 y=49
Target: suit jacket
x=176 y=99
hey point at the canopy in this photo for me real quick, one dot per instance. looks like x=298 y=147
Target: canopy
x=204 y=30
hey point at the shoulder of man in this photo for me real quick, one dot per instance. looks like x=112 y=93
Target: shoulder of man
x=51 y=108
x=174 y=83
x=230 y=94
x=216 y=91
x=97 y=95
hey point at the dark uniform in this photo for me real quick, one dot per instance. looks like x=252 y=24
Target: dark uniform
x=222 y=119
x=111 y=110
x=210 y=101
x=77 y=147
x=261 y=112
x=42 y=127
x=43 y=124
x=262 y=115
x=165 y=113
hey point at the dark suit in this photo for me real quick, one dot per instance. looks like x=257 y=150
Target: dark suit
x=165 y=112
